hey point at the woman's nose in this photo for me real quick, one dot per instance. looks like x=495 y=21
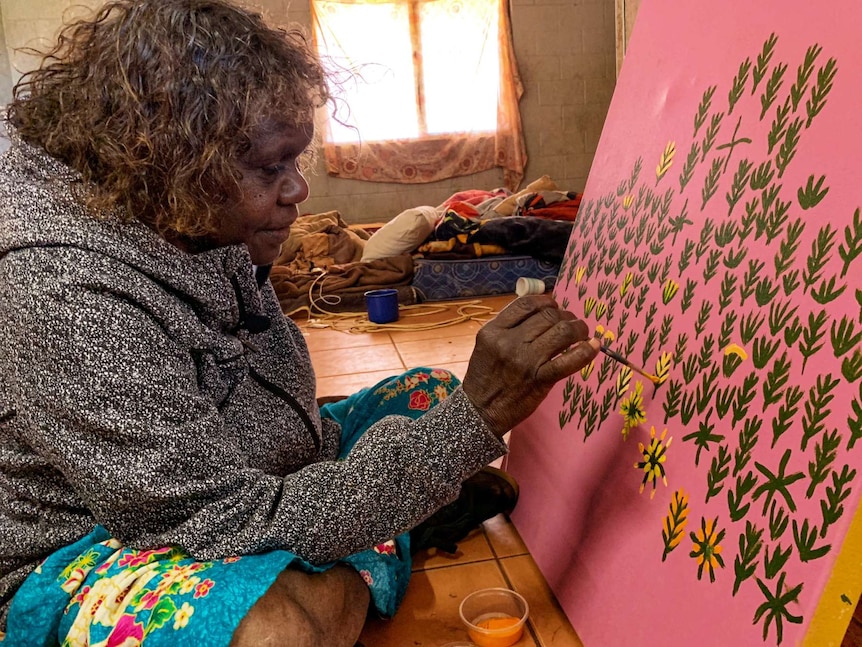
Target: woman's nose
x=293 y=190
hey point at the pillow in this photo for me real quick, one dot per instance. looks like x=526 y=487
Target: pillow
x=507 y=206
x=401 y=235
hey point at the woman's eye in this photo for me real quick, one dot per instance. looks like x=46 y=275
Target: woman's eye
x=275 y=169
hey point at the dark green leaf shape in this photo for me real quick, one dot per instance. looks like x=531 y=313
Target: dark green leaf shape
x=778 y=129
x=780 y=313
x=790 y=281
x=812 y=193
x=776 y=607
x=816 y=407
x=711 y=266
x=852 y=245
x=748 y=438
x=772 y=565
x=762 y=176
x=671 y=402
x=844 y=336
x=854 y=420
x=778 y=521
x=749 y=326
x=812 y=336
x=687 y=297
x=827 y=293
x=727 y=327
x=788 y=409
x=711 y=182
x=703 y=108
x=718 y=471
x=792 y=332
x=803 y=75
x=702 y=317
x=819 y=256
x=819 y=93
x=763 y=350
x=765 y=291
x=762 y=63
x=825 y=453
x=851 y=367
x=710 y=135
x=728 y=287
x=773 y=85
x=705 y=358
x=787 y=150
x=723 y=400
x=706 y=388
x=738 y=86
x=750 y=545
x=737 y=187
x=744 y=396
x=805 y=538
x=832 y=507
x=776 y=380
x=785 y=257
x=735 y=497
x=777 y=483
x=733 y=258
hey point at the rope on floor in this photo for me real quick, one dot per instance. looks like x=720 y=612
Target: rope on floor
x=357 y=322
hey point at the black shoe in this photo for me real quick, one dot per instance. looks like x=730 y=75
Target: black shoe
x=484 y=495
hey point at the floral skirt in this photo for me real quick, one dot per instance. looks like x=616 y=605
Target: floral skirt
x=98 y=593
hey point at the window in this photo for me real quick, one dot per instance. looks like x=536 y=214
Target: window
x=433 y=94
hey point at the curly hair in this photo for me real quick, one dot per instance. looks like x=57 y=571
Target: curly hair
x=153 y=101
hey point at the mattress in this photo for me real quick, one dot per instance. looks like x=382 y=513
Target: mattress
x=440 y=280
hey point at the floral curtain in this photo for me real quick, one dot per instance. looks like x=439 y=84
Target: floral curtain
x=428 y=156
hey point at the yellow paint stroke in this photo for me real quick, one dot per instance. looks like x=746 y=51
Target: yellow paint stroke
x=666 y=160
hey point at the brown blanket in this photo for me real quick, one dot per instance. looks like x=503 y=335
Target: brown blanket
x=349 y=281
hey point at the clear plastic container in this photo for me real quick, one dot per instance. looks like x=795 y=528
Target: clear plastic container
x=494 y=617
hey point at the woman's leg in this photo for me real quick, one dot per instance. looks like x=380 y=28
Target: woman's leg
x=307 y=610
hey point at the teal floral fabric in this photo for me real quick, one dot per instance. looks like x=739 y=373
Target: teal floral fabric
x=99 y=593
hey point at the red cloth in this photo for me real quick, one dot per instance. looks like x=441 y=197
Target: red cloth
x=473 y=196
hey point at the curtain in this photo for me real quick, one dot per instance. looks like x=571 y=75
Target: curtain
x=439 y=139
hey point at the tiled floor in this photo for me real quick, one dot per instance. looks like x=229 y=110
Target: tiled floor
x=491 y=556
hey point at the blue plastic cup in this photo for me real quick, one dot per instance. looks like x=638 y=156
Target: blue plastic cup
x=382 y=305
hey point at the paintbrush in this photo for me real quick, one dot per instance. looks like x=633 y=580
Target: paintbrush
x=625 y=362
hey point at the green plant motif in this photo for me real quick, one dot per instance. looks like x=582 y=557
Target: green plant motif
x=812 y=336
x=803 y=75
x=777 y=483
x=854 y=424
x=763 y=350
x=775 y=608
x=816 y=411
x=785 y=257
x=844 y=336
x=673 y=527
x=703 y=108
x=665 y=162
x=704 y=437
x=851 y=367
x=827 y=292
x=744 y=396
x=738 y=85
x=773 y=85
x=763 y=59
x=832 y=508
x=672 y=400
x=852 y=245
x=786 y=412
x=776 y=380
x=750 y=545
x=718 y=471
x=778 y=128
x=805 y=537
x=825 y=454
x=811 y=195
x=737 y=188
x=787 y=150
x=748 y=438
x=819 y=93
x=774 y=562
x=778 y=521
x=736 y=496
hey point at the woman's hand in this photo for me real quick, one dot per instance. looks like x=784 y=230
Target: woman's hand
x=520 y=354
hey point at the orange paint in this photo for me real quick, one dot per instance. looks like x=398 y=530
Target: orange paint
x=506 y=631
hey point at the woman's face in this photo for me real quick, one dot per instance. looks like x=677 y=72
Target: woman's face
x=271 y=187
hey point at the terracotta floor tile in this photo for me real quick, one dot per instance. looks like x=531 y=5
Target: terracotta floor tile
x=328 y=339
x=455 y=330
x=438 y=352
x=345 y=361
x=504 y=538
x=550 y=625
x=474 y=548
x=429 y=615
x=351 y=383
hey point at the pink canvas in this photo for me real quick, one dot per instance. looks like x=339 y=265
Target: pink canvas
x=718 y=247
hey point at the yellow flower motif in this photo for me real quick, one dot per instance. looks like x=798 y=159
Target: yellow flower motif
x=587 y=370
x=183 y=615
x=624 y=378
x=669 y=289
x=579 y=274
x=655 y=455
x=589 y=304
x=632 y=409
x=624 y=286
x=737 y=350
x=628 y=201
x=706 y=549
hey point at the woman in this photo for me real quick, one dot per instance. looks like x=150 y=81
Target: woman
x=167 y=475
